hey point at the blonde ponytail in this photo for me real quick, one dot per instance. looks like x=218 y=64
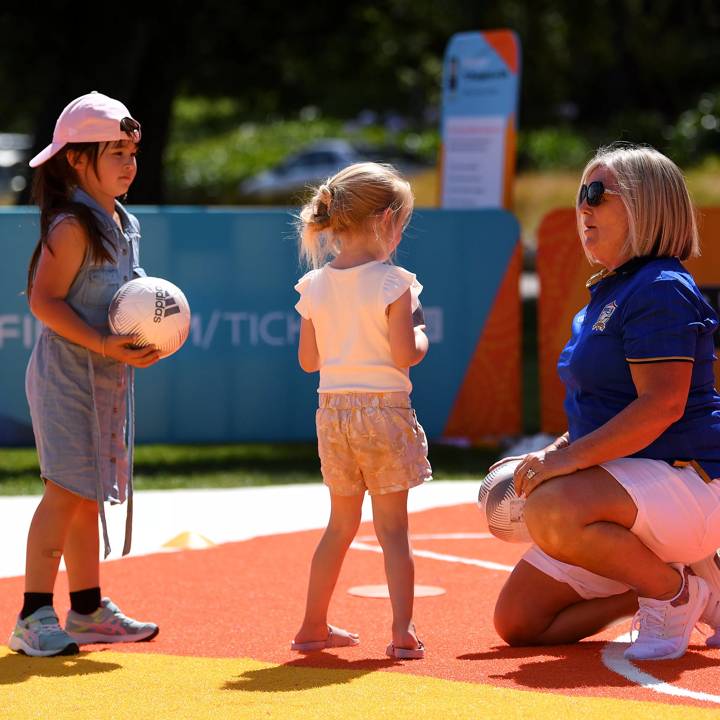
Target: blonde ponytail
x=350 y=202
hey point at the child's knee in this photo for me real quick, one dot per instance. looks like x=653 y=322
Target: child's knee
x=392 y=533
x=344 y=527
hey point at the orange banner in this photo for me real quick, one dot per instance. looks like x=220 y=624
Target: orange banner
x=489 y=404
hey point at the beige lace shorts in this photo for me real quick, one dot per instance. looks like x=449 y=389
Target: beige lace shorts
x=370 y=441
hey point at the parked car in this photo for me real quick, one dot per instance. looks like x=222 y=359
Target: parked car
x=315 y=163
x=307 y=167
x=14 y=155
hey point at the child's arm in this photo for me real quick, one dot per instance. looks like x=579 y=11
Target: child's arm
x=59 y=264
x=408 y=344
x=308 y=355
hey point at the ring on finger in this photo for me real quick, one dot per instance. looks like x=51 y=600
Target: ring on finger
x=530 y=474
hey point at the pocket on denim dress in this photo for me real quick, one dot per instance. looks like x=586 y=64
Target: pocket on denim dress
x=102 y=283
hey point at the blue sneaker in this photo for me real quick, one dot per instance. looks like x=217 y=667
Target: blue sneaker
x=40 y=635
x=108 y=625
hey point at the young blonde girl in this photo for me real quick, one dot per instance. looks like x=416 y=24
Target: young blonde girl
x=357 y=329
x=78 y=382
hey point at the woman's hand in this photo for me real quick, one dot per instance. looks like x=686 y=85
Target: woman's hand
x=557 y=444
x=502 y=461
x=538 y=467
x=123 y=348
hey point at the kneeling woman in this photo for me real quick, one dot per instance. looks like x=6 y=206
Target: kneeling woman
x=625 y=501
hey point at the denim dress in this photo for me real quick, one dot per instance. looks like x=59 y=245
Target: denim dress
x=81 y=403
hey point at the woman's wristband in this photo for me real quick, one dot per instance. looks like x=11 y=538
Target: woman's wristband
x=558 y=444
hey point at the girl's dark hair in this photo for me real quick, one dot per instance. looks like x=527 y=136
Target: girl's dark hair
x=52 y=186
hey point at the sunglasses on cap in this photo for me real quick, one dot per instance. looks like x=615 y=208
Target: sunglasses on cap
x=131 y=128
x=593 y=193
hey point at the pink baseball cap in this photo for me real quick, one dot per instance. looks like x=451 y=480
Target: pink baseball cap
x=90 y=118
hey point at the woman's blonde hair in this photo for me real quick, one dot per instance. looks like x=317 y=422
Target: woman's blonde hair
x=661 y=216
x=351 y=202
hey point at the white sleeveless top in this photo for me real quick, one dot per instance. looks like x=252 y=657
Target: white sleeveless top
x=348 y=309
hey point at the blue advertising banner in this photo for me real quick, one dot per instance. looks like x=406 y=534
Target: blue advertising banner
x=481 y=77
x=237 y=377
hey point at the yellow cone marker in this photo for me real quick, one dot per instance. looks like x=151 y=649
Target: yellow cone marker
x=189 y=541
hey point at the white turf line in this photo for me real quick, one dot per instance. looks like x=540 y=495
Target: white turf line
x=438 y=556
x=613 y=659
x=435 y=536
x=612 y=654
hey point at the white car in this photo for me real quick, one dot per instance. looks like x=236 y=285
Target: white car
x=310 y=166
x=14 y=155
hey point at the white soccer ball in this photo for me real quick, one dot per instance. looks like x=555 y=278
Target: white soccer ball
x=503 y=509
x=153 y=309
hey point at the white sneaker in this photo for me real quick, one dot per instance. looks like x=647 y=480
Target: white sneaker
x=664 y=626
x=108 y=625
x=709 y=570
x=40 y=635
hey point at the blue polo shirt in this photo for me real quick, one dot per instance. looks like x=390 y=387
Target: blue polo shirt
x=648 y=310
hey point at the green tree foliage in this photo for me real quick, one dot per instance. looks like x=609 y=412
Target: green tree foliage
x=630 y=67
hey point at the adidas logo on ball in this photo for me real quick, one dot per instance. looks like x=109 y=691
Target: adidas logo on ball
x=165 y=305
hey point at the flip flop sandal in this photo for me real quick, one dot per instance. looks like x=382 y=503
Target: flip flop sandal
x=337 y=637
x=417 y=653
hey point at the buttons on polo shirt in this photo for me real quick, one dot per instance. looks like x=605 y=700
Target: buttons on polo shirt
x=124 y=251
x=113 y=459
x=125 y=278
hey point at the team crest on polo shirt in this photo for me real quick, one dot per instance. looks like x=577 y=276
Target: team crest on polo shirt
x=605 y=315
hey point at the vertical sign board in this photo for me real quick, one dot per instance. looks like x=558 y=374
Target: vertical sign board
x=563 y=271
x=477 y=165
x=237 y=377
x=481 y=78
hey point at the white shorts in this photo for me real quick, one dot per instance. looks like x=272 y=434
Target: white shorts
x=678 y=518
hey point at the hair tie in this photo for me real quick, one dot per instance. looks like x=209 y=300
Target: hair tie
x=326 y=198
x=322 y=205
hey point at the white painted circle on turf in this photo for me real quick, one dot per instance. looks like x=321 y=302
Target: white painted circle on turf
x=381 y=591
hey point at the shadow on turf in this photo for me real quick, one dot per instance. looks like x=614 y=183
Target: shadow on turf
x=574 y=666
x=306 y=673
x=16 y=668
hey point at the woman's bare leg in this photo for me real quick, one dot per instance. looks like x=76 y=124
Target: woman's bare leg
x=535 y=609
x=585 y=520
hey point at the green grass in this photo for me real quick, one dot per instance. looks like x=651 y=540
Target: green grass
x=162 y=467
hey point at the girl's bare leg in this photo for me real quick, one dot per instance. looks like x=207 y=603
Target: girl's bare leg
x=82 y=548
x=391 y=527
x=47 y=536
x=345 y=514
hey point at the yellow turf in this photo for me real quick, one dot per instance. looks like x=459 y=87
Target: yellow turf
x=102 y=685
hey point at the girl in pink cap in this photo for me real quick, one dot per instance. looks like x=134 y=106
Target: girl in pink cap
x=79 y=379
